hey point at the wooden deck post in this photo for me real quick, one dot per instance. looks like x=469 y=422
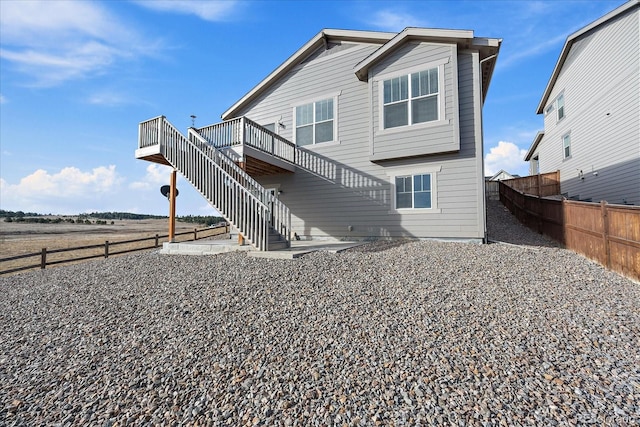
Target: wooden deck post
x=172 y=208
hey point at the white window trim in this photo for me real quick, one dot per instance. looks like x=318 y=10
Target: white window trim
x=336 y=141
x=566 y=135
x=564 y=108
x=442 y=120
x=433 y=171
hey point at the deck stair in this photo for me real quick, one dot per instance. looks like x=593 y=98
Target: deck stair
x=259 y=216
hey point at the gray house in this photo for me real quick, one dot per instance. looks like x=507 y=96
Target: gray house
x=357 y=135
x=591 y=108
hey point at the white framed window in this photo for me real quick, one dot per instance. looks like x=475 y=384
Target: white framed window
x=411 y=98
x=315 y=122
x=560 y=107
x=535 y=165
x=566 y=146
x=413 y=191
x=549 y=109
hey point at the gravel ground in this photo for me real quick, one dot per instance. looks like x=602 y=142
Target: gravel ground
x=391 y=333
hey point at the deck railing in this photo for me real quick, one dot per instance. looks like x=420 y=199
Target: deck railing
x=149 y=132
x=240 y=200
x=243 y=131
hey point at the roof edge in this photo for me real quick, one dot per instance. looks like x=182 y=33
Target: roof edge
x=362 y=68
x=569 y=42
x=534 y=145
x=315 y=42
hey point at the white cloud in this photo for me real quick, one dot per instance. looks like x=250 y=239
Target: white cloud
x=507 y=156
x=60 y=192
x=211 y=10
x=3 y=99
x=395 y=21
x=157 y=175
x=55 y=41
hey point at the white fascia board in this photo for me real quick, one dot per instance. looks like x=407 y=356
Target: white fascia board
x=569 y=42
x=486 y=42
x=317 y=41
x=426 y=34
x=534 y=145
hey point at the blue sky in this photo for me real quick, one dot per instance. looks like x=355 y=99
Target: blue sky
x=77 y=77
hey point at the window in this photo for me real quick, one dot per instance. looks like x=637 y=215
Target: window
x=549 y=109
x=566 y=145
x=413 y=191
x=411 y=98
x=535 y=165
x=270 y=126
x=315 y=122
x=560 y=107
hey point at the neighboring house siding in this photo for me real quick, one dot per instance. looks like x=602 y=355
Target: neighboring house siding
x=337 y=186
x=601 y=86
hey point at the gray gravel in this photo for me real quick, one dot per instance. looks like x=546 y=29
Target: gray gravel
x=391 y=333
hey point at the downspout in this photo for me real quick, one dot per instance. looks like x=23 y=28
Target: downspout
x=484 y=190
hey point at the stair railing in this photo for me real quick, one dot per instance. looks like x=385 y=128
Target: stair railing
x=279 y=216
x=242 y=209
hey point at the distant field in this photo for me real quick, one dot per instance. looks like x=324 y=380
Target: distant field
x=17 y=238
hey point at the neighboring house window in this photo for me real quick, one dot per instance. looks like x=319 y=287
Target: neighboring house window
x=411 y=98
x=566 y=145
x=549 y=109
x=535 y=165
x=315 y=122
x=413 y=191
x=560 y=107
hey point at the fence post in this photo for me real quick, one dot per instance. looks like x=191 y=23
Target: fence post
x=540 y=218
x=538 y=186
x=156 y=240
x=106 y=249
x=43 y=258
x=605 y=232
x=195 y=234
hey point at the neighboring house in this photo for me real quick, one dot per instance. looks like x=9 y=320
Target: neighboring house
x=357 y=135
x=591 y=108
x=501 y=176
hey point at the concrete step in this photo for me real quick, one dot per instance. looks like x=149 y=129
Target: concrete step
x=203 y=247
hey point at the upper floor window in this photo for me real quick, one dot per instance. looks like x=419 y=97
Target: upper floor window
x=413 y=191
x=411 y=99
x=315 y=122
x=566 y=145
x=560 y=107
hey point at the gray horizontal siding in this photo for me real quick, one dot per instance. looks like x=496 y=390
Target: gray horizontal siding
x=337 y=186
x=601 y=83
x=413 y=141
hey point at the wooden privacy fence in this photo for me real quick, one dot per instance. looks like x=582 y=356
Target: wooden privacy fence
x=607 y=234
x=544 y=184
x=104 y=250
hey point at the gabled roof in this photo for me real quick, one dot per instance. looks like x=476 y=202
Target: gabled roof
x=502 y=171
x=572 y=38
x=318 y=40
x=388 y=42
x=534 y=145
